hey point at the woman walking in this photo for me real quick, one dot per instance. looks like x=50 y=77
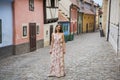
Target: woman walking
x=57 y=52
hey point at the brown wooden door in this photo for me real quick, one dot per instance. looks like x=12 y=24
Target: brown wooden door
x=87 y=28
x=32 y=33
x=51 y=31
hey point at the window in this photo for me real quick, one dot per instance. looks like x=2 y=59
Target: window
x=24 y=31
x=38 y=29
x=31 y=5
x=47 y=32
x=0 y=31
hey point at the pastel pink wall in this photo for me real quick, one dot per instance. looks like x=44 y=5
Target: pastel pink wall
x=22 y=15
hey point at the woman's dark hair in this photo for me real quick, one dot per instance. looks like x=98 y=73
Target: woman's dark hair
x=60 y=28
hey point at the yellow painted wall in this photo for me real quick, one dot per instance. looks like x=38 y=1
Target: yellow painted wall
x=88 y=19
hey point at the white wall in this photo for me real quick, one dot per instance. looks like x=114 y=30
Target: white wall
x=47 y=37
x=114 y=19
x=107 y=19
x=52 y=13
x=64 y=6
x=119 y=32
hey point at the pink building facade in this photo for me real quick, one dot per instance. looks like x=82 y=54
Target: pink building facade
x=28 y=25
x=74 y=15
x=74 y=8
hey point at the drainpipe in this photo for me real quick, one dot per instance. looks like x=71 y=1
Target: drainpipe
x=70 y=21
x=109 y=20
x=78 y=22
x=94 y=23
x=14 y=31
x=70 y=17
x=118 y=35
x=118 y=39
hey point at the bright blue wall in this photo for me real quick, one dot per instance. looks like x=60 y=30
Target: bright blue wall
x=7 y=22
x=64 y=26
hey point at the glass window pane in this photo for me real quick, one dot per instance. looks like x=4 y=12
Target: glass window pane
x=24 y=31
x=31 y=5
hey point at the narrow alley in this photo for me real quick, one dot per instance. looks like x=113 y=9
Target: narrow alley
x=88 y=57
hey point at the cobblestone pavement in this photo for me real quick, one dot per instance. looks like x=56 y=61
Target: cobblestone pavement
x=88 y=57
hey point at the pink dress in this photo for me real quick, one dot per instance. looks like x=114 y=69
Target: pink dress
x=57 y=57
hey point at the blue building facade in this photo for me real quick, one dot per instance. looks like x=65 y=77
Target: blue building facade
x=6 y=28
x=66 y=29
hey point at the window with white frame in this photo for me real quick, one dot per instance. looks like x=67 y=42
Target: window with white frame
x=24 y=31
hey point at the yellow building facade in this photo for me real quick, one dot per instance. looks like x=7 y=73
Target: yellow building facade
x=88 y=22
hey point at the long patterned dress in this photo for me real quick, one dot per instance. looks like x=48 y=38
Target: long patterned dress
x=57 y=57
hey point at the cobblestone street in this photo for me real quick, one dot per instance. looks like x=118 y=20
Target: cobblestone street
x=88 y=57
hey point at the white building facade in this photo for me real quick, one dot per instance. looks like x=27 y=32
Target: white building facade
x=50 y=19
x=64 y=7
x=113 y=24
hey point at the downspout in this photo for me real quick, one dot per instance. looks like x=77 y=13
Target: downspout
x=118 y=39
x=44 y=11
x=70 y=17
x=98 y=19
x=14 y=31
x=109 y=21
x=82 y=21
x=77 y=21
x=118 y=35
x=94 y=23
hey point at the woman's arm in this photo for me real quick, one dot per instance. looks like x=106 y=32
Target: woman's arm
x=64 y=45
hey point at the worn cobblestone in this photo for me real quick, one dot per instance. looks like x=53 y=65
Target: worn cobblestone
x=88 y=57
